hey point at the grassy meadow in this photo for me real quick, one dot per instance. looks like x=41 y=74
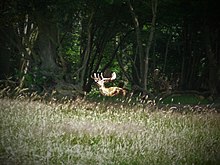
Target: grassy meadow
x=86 y=132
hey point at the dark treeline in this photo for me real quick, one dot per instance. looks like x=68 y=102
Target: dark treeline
x=153 y=46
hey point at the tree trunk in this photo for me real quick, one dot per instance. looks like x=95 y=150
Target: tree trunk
x=149 y=43
x=184 y=52
x=85 y=59
x=166 y=53
x=47 y=44
x=140 y=53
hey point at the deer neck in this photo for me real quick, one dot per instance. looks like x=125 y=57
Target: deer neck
x=104 y=90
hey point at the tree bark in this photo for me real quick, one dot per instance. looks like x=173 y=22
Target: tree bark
x=166 y=53
x=149 y=43
x=81 y=73
x=47 y=44
x=140 y=52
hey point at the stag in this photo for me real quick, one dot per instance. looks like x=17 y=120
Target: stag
x=107 y=91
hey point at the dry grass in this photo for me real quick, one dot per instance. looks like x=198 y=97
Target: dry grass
x=83 y=132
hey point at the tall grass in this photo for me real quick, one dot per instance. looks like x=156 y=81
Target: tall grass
x=83 y=132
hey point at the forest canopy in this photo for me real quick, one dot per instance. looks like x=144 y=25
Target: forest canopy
x=152 y=45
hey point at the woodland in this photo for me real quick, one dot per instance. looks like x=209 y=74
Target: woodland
x=62 y=63
x=154 y=46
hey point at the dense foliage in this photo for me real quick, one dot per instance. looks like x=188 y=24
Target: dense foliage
x=57 y=45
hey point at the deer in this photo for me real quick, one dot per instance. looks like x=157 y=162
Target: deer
x=107 y=91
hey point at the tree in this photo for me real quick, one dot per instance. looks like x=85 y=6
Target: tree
x=57 y=45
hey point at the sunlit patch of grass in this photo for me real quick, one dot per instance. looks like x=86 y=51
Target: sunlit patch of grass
x=85 y=132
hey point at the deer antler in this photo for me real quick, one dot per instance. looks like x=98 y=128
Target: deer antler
x=99 y=77
x=113 y=77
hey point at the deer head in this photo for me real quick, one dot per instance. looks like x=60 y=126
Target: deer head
x=101 y=80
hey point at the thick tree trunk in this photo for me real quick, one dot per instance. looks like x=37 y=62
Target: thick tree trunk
x=47 y=51
x=47 y=44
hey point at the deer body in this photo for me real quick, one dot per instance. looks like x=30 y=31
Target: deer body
x=111 y=91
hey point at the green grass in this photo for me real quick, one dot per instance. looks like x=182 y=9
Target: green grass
x=83 y=132
x=185 y=99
